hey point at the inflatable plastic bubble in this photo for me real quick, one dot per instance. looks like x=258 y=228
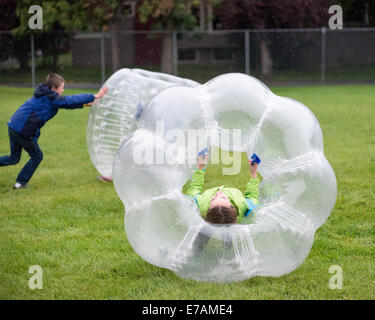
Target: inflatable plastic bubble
x=114 y=117
x=297 y=193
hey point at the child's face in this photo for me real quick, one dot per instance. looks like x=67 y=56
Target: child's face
x=220 y=199
x=60 y=89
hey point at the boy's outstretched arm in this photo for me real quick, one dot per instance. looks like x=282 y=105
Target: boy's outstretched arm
x=252 y=187
x=99 y=95
x=78 y=100
x=197 y=181
x=73 y=102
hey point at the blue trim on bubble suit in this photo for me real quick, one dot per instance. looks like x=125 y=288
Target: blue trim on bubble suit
x=251 y=206
x=195 y=198
x=139 y=110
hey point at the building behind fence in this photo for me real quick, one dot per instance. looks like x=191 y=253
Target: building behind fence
x=279 y=56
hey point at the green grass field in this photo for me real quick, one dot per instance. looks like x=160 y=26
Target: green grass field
x=202 y=73
x=71 y=224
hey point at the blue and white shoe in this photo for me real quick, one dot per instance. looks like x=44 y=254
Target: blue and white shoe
x=19 y=185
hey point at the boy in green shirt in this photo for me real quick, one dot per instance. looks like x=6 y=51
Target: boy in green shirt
x=223 y=204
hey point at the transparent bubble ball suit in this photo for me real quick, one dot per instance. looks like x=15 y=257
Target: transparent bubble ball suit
x=113 y=117
x=297 y=193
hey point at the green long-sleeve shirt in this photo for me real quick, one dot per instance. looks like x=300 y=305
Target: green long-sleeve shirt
x=243 y=202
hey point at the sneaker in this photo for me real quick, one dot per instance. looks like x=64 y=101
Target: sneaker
x=19 y=186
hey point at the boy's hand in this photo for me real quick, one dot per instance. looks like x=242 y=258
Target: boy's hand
x=202 y=162
x=101 y=92
x=253 y=168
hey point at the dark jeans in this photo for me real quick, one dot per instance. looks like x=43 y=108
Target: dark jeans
x=17 y=142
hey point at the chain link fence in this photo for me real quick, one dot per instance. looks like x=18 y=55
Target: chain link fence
x=276 y=56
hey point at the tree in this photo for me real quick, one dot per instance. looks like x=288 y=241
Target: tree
x=11 y=46
x=107 y=15
x=170 y=15
x=8 y=17
x=362 y=12
x=63 y=16
x=260 y=14
x=57 y=21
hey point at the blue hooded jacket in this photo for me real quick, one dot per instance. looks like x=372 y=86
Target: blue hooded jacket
x=44 y=105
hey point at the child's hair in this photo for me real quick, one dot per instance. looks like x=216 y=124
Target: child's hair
x=221 y=215
x=54 y=80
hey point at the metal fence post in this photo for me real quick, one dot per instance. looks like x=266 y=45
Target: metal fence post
x=174 y=53
x=102 y=56
x=247 y=52
x=32 y=61
x=323 y=58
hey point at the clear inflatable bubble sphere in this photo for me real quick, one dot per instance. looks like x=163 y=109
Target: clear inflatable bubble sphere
x=297 y=193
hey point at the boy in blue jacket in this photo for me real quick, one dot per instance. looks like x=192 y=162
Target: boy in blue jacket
x=25 y=124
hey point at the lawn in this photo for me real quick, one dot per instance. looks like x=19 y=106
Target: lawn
x=200 y=73
x=71 y=224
